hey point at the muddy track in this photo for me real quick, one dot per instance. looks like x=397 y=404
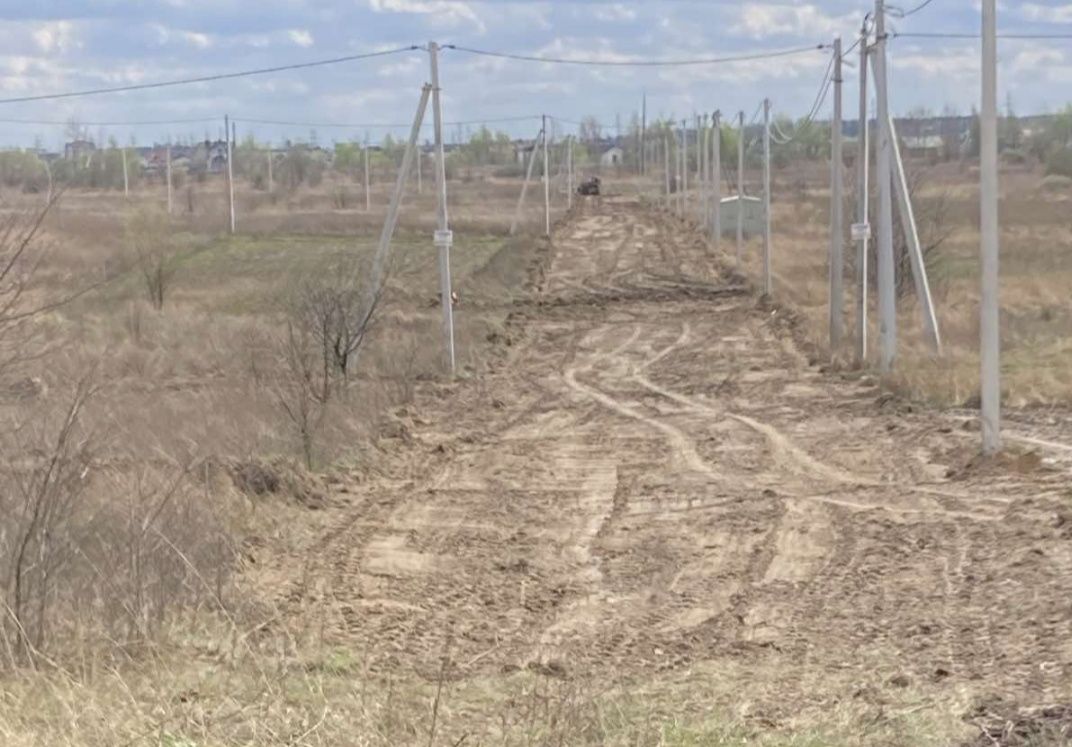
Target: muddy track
x=655 y=477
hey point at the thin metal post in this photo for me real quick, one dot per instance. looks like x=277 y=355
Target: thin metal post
x=767 y=279
x=915 y=252
x=167 y=155
x=863 y=158
x=716 y=178
x=837 y=223
x=230 y=171
x=989 y=327
x=740 y=192
x=443 y=235
x=391 y=221
x=546 y=183
x=887 y=301
x=525 y=184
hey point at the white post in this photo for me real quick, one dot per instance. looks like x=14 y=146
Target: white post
x=525 y=184
x=887 y=301
x=368 y=195
x=391 y=221
x=443 y=235
x=837 y=228
x=767 y=279
x=700 y=186
x=167 y=155
x=705 y=204
x=990 y=333
x=230 y=170
x=716 y=178
x=915 y=252
x=740 y=192
x=546 y=183
x=863 y=157
x=684 y=168
x=126 y=176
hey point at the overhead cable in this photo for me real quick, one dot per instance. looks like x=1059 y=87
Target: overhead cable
x=210 y=78
x=641 y=63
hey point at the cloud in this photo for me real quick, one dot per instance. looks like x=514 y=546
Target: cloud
x=54 y=37
x=760 y=21
x=615 y=12
x=1046 y=14
x=301 y=37
x=442 y=12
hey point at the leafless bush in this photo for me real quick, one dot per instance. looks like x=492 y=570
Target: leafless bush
x=303 y=385
x=153 y=253
x=337 y=315
x=20 y=259
x=40 y=490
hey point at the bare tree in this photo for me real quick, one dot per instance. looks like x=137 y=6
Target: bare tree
x=154 y=254
x=304 y=385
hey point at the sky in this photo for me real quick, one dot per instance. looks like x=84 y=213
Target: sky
x=52 y=46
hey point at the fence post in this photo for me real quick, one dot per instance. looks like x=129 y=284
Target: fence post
x=443 y=236
x=767 y=279
x=989 y=328
x=837 y=270
x=863 y=158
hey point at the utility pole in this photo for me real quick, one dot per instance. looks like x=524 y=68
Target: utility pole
x=644 y=134
x=368 y=195
x=126 y=176
x=230 y=170
x=701 y=166
x=546 y=183
x=706 y=180
x=684 y=168
x=740 y=191
x=167 y=155
x=837 y=238
x=990 y=333
x=716 y=177
x=887 y=301
x=767 y=280
x=444 y=238
x=271 y=179
x=569 y=172
x=666 y=166
x=420 y=159
x=863 y=157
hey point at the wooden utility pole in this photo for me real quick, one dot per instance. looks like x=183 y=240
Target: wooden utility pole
x=837 y=228
x=444 y=238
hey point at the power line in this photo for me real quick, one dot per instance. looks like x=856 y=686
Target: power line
x=80 y=123
x=642 y=63
x=906 y=13
x=210 y=78
x=385 y=125
x=957 y=35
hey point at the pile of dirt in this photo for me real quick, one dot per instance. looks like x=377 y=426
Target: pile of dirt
x=1006 y=725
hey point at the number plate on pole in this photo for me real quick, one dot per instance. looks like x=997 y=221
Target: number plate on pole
x=443 y=238
x=860 y=231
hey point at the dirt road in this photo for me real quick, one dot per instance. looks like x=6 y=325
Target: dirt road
x=654 y=477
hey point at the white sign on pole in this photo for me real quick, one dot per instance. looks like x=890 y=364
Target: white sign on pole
x=860 y=231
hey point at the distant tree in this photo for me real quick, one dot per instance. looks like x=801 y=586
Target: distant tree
x=590 y=129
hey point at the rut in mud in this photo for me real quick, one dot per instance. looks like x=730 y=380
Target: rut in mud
x=654 y=476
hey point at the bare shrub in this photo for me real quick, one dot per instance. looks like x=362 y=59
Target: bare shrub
x=149 y=238
x=303 y=385
x=20 y=260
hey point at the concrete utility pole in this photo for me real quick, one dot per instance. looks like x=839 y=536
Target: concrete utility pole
x=702 y=157
x=368 y=195
x=391 y=221
x=684 y=168
x=546 y=183
x=887 y=300
x=700 y=197
x=230 y=170
x=837 y=227
x=569 y=172
x=167 y=155
x=740 y=191
x=444 y=238
x=989 y=327
x=716 y=177
x=525 y=184
x=863 y=157
x=768 y=284
x=666 y=167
